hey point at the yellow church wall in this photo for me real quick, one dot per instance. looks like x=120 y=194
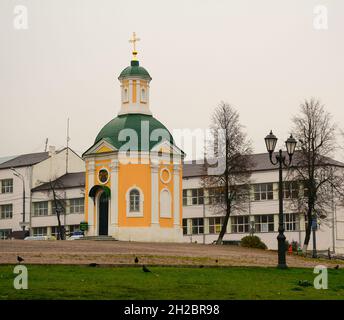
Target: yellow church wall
x=166 y=222
x=130 y=175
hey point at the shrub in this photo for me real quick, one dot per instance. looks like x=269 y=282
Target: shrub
x=253 y=242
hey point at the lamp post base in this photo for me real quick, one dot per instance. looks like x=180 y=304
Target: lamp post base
x=282 y=266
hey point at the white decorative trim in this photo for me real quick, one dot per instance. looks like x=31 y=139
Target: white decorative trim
x=169 y=175
x=102 y=143
x=155 y=193
x=139 y=213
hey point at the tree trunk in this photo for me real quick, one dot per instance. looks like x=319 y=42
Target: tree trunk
x=224 y=226
x=307 y=235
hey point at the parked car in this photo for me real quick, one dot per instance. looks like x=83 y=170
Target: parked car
x=76 y=235
x=40 y=238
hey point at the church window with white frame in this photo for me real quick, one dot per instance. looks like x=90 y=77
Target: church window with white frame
x=134 y=198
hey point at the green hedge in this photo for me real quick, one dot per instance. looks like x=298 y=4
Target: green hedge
x=253 y=242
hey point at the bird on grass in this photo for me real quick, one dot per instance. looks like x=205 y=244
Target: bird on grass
x=136 y=260
x=337 y=267
x=20 y=259
x=93 y=264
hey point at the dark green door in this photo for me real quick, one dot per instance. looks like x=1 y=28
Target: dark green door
x=103 y=214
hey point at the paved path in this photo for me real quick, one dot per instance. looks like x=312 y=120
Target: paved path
x=118 y=252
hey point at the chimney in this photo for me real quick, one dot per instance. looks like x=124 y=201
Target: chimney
x=51 y=150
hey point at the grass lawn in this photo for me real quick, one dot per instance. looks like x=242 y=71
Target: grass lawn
x=83 y=282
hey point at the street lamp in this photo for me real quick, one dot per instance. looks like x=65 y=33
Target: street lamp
x=271 y=141
x=20 y=176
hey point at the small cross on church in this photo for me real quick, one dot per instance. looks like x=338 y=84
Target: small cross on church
x=133 y=40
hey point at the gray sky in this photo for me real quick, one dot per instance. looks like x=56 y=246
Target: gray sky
x=264 y=57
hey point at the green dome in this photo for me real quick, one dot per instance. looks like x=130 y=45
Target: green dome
x=111 y=130
x=134 y=70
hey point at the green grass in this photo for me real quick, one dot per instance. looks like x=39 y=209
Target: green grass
x=83 y=282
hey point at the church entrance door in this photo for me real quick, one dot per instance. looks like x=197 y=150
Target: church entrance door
x=103 y=214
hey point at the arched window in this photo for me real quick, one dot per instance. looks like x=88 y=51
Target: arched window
x=165 y=204
x=125 y=95
x=134 y=199
x=143 y=95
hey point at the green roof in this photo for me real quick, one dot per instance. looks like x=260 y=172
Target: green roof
x=135 y=121
x=134 y=70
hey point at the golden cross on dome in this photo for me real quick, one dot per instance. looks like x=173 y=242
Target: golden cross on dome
x=133 y=40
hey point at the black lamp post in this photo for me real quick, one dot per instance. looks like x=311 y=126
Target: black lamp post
x=280 y=159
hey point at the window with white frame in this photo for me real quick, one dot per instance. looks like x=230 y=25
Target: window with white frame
x=5 y=234
x=215 y=224
x=290 y=189
x=6 y=185
x=185 y=226
x=264 y=223
x=197 y=196
x=263 y=191
x=6 y=211
x=55 y=231
x=40 y=208
x=197 y=225
x=74 y=227
x=60 y=206
x=39 y=231
x=240 y=224
x=215 y=196
x=76 y=205
x=134 y=198
x=290 y=222
x=185 y=197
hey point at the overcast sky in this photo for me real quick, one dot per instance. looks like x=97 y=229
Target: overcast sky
x=263 y=57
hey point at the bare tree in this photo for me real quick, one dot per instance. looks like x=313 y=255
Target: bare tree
x=312 y=165
x=230 y=181
x=59 y=206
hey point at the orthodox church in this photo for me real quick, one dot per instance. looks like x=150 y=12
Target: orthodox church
x=133 y=185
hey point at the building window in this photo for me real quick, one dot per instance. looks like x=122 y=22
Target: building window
x=215 y=224
x=185 y=226
x=197 y=225
x=143 y=95
x=73 y=228
x=76 y=205
x=55 y=231
x=40 y=231
x=60 y=207
x=216 y=196
x=6 y=211
x=40 y=208
x=264 y=223
x=134 y=200
x=290 y=222
x=290 y=190
x=7 y=186
x=263 y=191
x=125 y=95
x=240 y=224
x=5 y=234
x=197 y=197
x=185 y=197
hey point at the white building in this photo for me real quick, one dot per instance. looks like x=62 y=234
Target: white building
x=261 y=213
x=70 y=193
x=27 y=172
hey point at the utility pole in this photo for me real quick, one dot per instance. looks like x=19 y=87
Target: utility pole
x=67 y=151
